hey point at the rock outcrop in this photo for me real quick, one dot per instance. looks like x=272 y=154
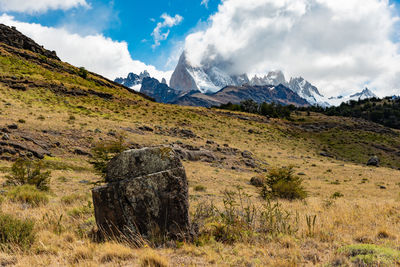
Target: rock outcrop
x=12 y=37
x=159 y=91
x=374 y=161
x=146 y=194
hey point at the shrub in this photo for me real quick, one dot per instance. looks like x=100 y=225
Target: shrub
x=26 y=171
x=82 y=72
x=200 y=188
x=282 y=183
x=240 y=220
x=104 y=152
x=28 y=194
x=14 y=231
x=337 y=195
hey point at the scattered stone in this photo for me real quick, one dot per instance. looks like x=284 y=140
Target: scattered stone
x=301 y=174
x=326 y=154
x=193 y=154
x=57 y=144
x=5 y=130
x=382 y=187
x=5 y=137
x=84 y=182
x=147 y=192
x=247 y=154
x=12 y=126
x=146 y=129
x=250 y=163
x=111 y=133
x=81 y=152
x=257 y=181
x=210 y=142
x=374 y=161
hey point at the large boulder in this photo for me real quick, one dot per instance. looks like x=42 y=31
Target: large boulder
x=374 y=161
x=146 y=195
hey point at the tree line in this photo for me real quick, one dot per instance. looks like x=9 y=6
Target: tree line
x=384 y=111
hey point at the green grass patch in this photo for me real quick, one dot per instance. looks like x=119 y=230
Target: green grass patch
x=16 y=232
x=371 y=255
x=28 y=194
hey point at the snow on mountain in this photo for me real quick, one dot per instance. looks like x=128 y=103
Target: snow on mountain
x=364 y=94
x=211 y=78
x=133 y=80
x=187 y=77
x=272 y=78
x=307 y=91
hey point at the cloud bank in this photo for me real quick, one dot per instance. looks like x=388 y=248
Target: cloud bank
x=340 y=46
x=168 y=22
x=30 y=6
x=96 y=53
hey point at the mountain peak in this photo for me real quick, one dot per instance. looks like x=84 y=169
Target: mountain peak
x=364 y=94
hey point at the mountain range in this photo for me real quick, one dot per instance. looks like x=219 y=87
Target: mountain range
x=209 y=85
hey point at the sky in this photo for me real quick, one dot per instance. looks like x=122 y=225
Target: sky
x=341 y=46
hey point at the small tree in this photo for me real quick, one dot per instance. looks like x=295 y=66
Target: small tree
x=282 y=183
x=103 y=152
x=82 y=72
x=27 y=171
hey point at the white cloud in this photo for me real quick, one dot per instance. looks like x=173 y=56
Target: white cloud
x=204 y=3
x=96 y=53
x=159 y=34
x=32 y=6
x=339 y=45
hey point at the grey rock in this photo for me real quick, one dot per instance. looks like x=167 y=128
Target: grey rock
x=373 y=161
x=5 y=137
x=81 y=152
x=256 y=181
x=247 y=154
x=147 y=193
x=12 y=126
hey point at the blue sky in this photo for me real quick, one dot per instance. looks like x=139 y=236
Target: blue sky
x=130 y=21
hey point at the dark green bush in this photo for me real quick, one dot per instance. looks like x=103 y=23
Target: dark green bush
x=103 y=152
x=82 y=72
x=17 y=232
x=27 y=171
x=28 y=194
x=283 y=183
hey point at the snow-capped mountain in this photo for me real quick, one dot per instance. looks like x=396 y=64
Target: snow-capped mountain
x=308 y=91
x=211 y=79
x=272 y=78
x=133 y=80
x=364 y=94
x=206 y=79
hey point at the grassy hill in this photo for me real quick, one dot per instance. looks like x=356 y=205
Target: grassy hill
x=63 y=111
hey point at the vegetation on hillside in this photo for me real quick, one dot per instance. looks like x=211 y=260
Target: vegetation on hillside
x=271 y=110
x=383 y=111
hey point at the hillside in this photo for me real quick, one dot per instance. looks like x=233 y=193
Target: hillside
x=383 y=111
x=60 y=112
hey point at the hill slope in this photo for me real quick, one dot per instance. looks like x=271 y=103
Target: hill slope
x=57 y=110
